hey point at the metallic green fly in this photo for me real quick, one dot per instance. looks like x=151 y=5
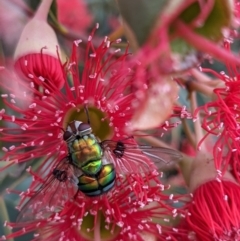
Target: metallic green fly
x=92 y=166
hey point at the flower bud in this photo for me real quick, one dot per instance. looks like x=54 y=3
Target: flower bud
x=213 y=213
x=203 y=170
x=36 y=52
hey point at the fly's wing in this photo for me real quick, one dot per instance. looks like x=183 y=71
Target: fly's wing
x=132 y=158
x=159 y=155
x=58 y=188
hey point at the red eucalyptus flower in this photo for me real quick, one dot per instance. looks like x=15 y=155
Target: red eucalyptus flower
x=74 y=15
x=35 y=123
x=135 y=207
x=213 y=214
x=221 y=119
x=36 y=117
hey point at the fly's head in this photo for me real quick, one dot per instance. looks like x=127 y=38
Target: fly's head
x=76 y=130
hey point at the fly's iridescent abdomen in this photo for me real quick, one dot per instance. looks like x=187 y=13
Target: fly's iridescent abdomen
x=86 y=154
x=100 y=183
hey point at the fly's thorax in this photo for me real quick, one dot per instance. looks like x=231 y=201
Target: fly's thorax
x=84 y=150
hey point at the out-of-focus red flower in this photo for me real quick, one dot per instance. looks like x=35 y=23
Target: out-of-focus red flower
x=74 y=15
x=237 y=11
x=10 y=27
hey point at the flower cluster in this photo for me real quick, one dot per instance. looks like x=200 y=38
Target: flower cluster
x=81 y=125
x=40 y=116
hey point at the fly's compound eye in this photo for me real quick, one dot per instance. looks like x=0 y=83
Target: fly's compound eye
x=84 y=129
x=67 y=135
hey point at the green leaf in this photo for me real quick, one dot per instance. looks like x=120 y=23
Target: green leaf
x=141 y=16
x=219 y=18
x=212 y=29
